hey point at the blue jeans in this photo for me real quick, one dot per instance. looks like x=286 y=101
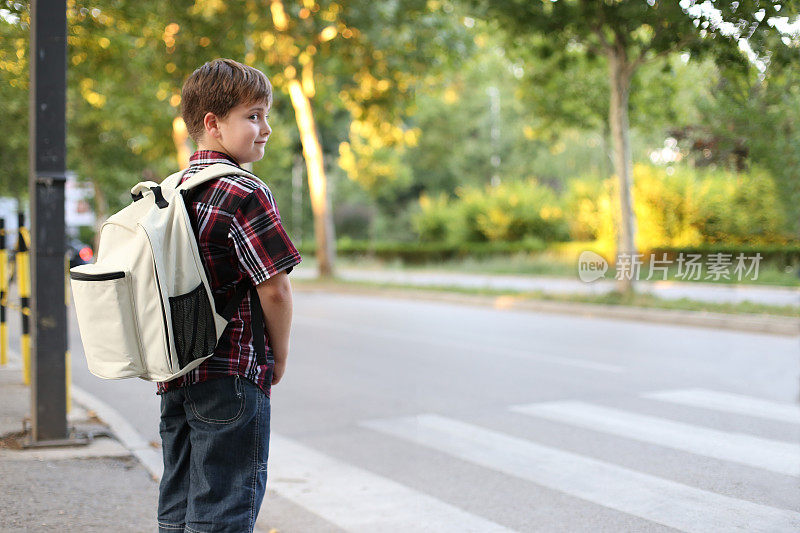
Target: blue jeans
x=215 y=439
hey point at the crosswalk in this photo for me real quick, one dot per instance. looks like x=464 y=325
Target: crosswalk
x=780 y=457
x=731 y=403
x=357 y=500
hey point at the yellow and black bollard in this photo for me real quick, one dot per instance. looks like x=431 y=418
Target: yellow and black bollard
x=3 y=294
x=24 y=284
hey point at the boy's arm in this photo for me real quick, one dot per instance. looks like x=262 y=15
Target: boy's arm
x=276 y=303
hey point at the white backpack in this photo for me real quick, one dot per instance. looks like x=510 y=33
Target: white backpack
x=145 y=308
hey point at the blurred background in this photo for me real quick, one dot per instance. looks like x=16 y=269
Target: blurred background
x=475 y=136
x=551 y=257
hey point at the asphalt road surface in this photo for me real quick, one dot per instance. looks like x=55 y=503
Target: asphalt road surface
x=399 y=415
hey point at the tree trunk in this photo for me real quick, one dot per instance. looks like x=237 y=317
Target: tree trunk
x=100 y=213
x=183 y=147
x=620 y=80
x=312 y=151
x=317 y=182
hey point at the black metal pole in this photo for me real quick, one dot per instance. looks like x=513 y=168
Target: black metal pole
x=48 y=150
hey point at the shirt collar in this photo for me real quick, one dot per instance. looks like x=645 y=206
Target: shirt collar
x=209 y=157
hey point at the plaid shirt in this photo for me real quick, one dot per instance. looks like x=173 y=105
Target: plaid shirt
x=240 y=238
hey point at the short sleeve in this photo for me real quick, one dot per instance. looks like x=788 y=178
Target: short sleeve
x=260 y=241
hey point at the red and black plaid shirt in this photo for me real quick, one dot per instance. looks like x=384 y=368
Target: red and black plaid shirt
x=240 y=238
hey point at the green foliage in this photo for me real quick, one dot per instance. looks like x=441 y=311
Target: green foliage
x=565 y=47
x=127 y=62
x=14 y=106
x=430 y=252
x=741 y=208
x=684 y=207
x=510 y=212
x=754 y=121
x=435 y=221
x=87 y=234
x=588 y=205
x=455 y=117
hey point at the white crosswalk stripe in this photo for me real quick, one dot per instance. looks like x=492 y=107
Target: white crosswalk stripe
x=731 y=403
x=776 y=456
x=359 y=501
x=658 y=500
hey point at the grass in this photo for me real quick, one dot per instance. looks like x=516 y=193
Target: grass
x=614 y=298
x=547 y=264
x=686 y=304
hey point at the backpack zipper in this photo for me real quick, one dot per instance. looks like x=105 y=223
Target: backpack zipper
x=161 y=298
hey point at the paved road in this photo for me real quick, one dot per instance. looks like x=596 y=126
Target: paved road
x=663 y=289
x=398 y=415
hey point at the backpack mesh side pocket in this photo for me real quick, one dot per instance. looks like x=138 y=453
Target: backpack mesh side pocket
x=193 y=325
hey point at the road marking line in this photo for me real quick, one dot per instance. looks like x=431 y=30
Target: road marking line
x=776 y=456
x=658 y=500
x=360 y=501
x=731 y=403
x=518 y=354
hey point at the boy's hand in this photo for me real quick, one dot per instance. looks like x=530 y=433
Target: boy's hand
x=277 y=371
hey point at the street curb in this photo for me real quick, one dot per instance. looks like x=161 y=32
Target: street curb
x=774 y=325
x=122 y=430
x=126 y=434
x=130 y=438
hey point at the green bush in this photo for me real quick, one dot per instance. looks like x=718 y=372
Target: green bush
x=435 y=221
x=686 y=207
x=744 y=208
x=510 y=212
x=427 y=252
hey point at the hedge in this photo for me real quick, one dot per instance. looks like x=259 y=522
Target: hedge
x=422 y=252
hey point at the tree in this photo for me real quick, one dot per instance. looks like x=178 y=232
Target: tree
x=630 y=33
x=128 y=60
x=14 y=104
x=753 y=121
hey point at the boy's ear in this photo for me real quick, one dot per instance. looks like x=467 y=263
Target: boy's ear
x=211 y=124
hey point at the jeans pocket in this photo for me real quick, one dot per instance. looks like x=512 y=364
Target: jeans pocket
x=217 y=401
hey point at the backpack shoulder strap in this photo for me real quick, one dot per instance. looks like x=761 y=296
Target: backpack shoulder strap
x=211 y=172
x=256 y=317
x=172 y=181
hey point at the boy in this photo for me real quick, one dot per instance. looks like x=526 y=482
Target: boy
x=215 y=420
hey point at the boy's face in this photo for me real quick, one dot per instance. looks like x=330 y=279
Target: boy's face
x=243 y=133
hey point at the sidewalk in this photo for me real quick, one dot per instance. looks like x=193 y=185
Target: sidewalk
x=94 y=488
x=416 y=282
x=705 y=292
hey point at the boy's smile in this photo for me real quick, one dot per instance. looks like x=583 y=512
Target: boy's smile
x=242 y=134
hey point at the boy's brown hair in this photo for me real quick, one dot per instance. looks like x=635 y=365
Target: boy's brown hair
x=217 y=87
